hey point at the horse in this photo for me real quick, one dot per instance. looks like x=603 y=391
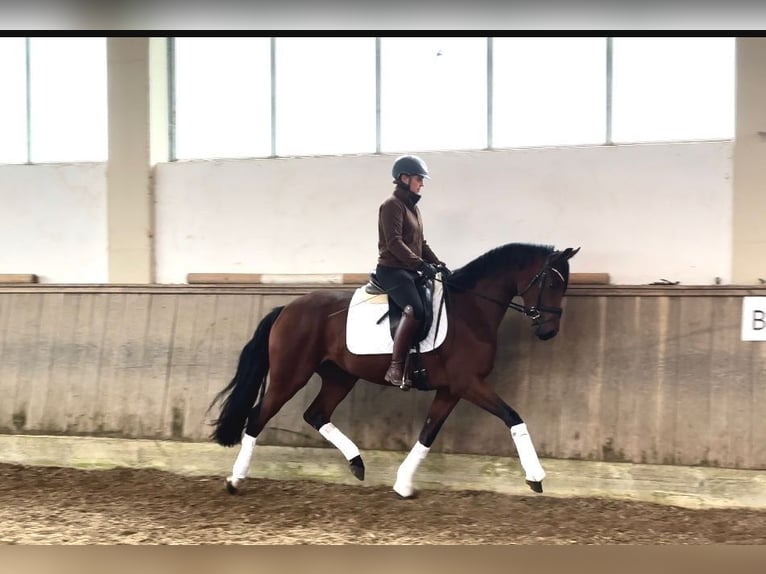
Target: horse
x=308 y=336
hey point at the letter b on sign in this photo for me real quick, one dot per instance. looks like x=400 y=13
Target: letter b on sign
x=754 y=319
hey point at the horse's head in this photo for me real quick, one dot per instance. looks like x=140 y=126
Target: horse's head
x=542 y=288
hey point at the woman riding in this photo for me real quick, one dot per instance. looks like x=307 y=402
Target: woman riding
x=404 y=256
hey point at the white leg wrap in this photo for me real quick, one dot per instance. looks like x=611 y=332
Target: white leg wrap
x=527 y=454
x=403 y=485
x=242 y=464
x=341 y=441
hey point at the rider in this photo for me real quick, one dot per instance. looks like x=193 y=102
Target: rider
x=403 y=254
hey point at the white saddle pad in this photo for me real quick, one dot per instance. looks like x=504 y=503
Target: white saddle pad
x=365 y=337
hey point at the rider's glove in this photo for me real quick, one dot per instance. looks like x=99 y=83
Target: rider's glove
x=442 y=267
x=428 y=270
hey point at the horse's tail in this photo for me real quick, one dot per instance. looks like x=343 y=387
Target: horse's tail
x=247 y=386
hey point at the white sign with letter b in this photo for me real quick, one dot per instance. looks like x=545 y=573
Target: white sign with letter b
x=754 y=318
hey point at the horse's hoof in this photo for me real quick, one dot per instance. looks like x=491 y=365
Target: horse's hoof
x=405 y=492
x=535 y=485
x=413 y=494
x=357 y=467
x=230 y=488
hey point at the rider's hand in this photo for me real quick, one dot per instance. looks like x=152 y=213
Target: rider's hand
x=442 y=267
x=428 y=270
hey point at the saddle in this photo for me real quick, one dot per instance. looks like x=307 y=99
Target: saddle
x=413 y=364
x=425 y=289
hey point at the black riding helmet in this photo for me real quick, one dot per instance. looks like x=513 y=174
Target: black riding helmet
x=409 y=165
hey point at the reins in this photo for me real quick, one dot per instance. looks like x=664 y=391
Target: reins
x=533 y=312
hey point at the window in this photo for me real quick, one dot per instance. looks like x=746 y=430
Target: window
x=13 y=102
x=673 y=89
x=433 y=94
x=68 y=100
x=325 y=96
x=548 y=91
x=223 y=97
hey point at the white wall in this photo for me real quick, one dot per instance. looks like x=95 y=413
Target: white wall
x=53 y=222
x=640 y=213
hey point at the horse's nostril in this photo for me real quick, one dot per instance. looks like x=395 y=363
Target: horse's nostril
x=547 y=335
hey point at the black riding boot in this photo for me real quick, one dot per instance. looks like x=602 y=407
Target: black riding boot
x=405 y=331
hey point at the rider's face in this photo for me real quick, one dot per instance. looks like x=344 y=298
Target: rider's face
x=415 y=182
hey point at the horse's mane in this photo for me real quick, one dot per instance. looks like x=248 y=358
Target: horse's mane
x=510 y=255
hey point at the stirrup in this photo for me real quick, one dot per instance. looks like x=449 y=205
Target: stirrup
x=405 y=384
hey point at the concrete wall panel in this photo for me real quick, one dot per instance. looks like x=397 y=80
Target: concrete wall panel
x=654 y=375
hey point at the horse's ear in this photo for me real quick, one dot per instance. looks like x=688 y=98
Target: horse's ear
x=568 y=253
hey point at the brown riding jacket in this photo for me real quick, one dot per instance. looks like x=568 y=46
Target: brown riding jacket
x=400 y=232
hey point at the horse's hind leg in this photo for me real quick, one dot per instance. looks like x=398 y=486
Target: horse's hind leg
x=336 y=384
x=281 y=387
x=440 y=409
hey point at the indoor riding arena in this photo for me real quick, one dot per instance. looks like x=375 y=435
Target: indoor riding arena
x=178 y=189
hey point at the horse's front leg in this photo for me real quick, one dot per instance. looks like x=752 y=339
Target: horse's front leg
x=440 y=409
x=483 y=396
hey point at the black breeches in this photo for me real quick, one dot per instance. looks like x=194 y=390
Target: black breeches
x=401 y=287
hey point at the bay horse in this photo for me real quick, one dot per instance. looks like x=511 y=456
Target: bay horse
x=308 y=335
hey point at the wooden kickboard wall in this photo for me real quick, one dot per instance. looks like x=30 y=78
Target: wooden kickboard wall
x=338 y=278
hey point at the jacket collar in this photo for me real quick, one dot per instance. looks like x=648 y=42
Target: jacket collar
x=406 y=195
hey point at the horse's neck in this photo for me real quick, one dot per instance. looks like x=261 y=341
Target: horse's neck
x=489 y=299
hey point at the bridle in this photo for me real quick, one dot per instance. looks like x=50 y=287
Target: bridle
x=535 y=311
